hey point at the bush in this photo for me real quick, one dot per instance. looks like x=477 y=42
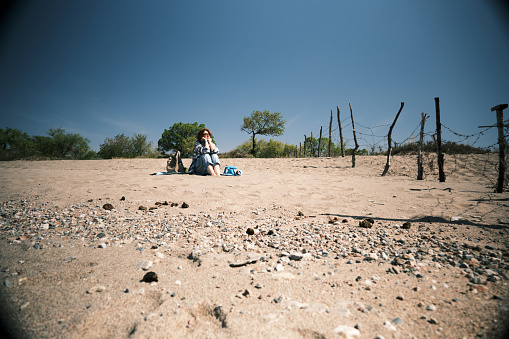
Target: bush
x=448 y=147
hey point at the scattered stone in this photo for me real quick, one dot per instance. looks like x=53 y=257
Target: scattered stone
x=389 y=326
x=150 y=277
x=433 y=321
x=101 y=235
x=145 y=264
x=96 y=289
x=250 y=231
x=7 y=283
x=122 y=199
x=102 y=245
x=246 y=293
x=108 y=207
x=406 y=225
x=399 y=297
x=283 y=275
x=184 y=205
x=195 y=257
x=279 y=299
x=244 y=262
x=366 y=223
x=347 y=331
x=296 y=256
x=142 y=208
x=431 y=307
x=397 y=321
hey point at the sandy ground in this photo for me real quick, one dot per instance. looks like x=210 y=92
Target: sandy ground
x=276 y=252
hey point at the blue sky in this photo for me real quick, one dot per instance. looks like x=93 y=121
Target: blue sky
x=102 y=68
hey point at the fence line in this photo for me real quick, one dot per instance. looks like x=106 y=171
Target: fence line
x=369 y=139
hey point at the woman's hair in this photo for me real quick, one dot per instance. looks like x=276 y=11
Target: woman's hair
x=200 y=133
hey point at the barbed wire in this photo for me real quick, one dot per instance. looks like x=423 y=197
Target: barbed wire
x=458 y=164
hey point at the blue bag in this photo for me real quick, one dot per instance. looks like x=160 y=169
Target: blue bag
x=232 y=170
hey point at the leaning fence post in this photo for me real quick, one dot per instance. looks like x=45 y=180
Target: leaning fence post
x=441 y=174
x=419 y=154
x=389 y=140
x=501 y=146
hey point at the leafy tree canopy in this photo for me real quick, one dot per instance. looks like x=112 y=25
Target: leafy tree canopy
x=15 y=144
x=62 y=145
x=263 y=123
x=180 y=137
x=264 y=149
x=122 y=146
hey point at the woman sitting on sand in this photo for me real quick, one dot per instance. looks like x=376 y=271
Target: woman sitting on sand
x=205 y=158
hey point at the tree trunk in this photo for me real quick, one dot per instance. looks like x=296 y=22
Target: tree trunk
x=254 y=145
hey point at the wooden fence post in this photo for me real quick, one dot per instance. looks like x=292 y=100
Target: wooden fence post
x=300 y=149
x=501 y=146
x=305 y=138
x=312 y=150
x=341 y=135
x=320 y=142
x=330 y=135
x=354 y=137
x=441 y=174
x=389 y=149
x=420 y=172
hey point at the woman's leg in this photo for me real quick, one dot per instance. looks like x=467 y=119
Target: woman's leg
x=203 y=164
x=211 y=170
x=217 y=165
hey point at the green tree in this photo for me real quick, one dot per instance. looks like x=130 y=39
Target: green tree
x=263 y=123
x=180 y=137
x=264 y=149
x=139 y=145
x=122 y=146
x=62 y=145
x=271 y=149
x=15 y=144
x=117 y=147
